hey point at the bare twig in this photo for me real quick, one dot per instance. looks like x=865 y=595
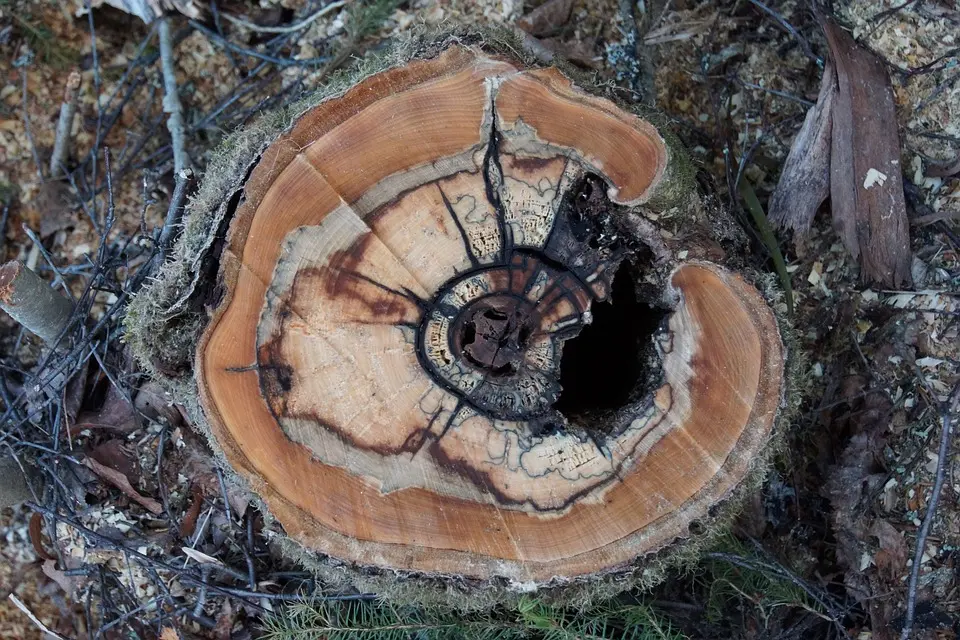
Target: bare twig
x=171 y=101
x=289 y=28
x=68 y=110
x=22 y=63
x=822 y=598
x=789 y=28
x=947 y=429
x=30 y=301
x=932 y=218
x=280 y=62
x=174 y=213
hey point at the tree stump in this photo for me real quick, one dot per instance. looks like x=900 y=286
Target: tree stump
x=455 y=340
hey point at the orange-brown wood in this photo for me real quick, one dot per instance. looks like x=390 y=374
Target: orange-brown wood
x=401 y=278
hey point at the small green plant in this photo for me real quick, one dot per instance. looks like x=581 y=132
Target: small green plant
x=7 y=193
x=366 y=16
x=41 y=40
x=746 y=585
x=532 y=619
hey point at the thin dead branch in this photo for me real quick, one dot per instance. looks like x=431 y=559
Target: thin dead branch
x=946 y=420
x=171 y=99
x=288 y=28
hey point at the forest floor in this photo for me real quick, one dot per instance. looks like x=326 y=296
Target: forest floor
x=149 y=540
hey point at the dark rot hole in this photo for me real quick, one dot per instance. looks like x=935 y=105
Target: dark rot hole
x=494 y=335
x=604 y=367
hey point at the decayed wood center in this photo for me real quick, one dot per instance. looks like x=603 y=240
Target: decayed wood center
x=402 y=276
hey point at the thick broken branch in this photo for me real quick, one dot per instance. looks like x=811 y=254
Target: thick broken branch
x=68 y=110
x=33 y=303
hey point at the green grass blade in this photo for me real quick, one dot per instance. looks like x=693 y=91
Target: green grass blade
x=752 y=204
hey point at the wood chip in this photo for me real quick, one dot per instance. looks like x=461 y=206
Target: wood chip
x=805 y=181
x=869 y=213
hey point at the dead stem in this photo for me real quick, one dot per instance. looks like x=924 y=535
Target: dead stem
x=68 y=110
x=171 y=101
x=30 y=301
x=949 y=407
x=288 y=28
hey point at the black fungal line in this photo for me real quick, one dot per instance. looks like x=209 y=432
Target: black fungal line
x=491 y=167
x=463 y=232
x=405 y=293
x=453 y=416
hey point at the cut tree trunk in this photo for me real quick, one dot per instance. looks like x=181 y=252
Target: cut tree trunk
x=445 y=347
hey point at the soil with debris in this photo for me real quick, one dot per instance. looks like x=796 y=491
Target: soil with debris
x=132 y=531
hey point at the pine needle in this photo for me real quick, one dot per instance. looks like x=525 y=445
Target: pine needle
x=532 y=619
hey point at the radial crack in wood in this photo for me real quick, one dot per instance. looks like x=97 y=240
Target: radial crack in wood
x=407 y=267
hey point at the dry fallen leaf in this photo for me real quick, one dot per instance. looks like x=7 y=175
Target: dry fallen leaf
x=67 y=583
x=152 y=401
x=944 y=170
x=892 y=556
x=53 y=202
x=146 y=10
x=117 y=456
x=870 y=213
x=121 y=482
x=199 y=556
x=224 y=628
x=117 y=414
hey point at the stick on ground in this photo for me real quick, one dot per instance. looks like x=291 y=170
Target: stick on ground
x=68 y=110
x=171 y=101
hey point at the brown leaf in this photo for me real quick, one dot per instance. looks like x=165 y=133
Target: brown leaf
x=68 y=584
x=547 y=18
x=121 y=482
x=224 y=628
x=74 y=392
x=891 y=559
x=866 y=181
x=200 y=466
x=54 y=206
x=805 y=181
x=153 y=402
x=117 y=414
x=189 y=523
x=35 y=530
x=115 y=455
x=575 y=51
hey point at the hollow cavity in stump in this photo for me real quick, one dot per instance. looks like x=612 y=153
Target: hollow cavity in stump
x=396 y=366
